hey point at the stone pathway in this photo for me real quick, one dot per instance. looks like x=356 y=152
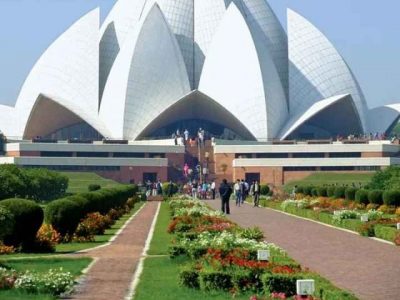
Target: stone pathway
x=368 y=268
x=111 y=275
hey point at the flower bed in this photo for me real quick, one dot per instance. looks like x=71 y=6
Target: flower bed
x=224 y=257
x=342 y=213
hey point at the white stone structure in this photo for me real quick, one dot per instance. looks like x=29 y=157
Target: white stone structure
x=153 y=60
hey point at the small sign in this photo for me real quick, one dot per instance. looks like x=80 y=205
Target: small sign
x=398 y=226
x=364 y=218
x=305 y=287
x=263 y=255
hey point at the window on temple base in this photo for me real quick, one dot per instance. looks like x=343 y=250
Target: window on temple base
x=150 y=176
x=250 y=177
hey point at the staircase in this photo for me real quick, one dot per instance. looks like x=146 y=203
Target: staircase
x=196 y=155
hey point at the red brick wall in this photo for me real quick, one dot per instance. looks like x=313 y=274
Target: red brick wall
x=125 y=175
x=270 y=175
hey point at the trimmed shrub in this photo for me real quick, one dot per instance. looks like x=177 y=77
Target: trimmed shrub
x=64 y=215
x=28 y=217
x=280 y=283
x=300 y=190
x=339 y=192
x=375 y=197
x=361 y=197
x=46 y=239
x=165 y=188
x=94 y=187
x=245 y=281
x=264 y=189
x=189 y=277
x=307 y=190
x=391 y=198
x=350 y=193
x=6 y=222
x=45 y=185
x=322 y=191
x=385 y=232
x=216 y=280
x=330 y=191
x=314 y=192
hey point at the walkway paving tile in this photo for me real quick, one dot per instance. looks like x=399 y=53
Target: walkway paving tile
x=368 y=268
x=111 y=275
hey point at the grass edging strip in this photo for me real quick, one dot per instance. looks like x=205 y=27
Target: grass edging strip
x=139 y=269
x=326 y=224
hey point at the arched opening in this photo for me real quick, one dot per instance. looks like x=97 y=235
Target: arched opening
x=51 y=120
x=192 y=112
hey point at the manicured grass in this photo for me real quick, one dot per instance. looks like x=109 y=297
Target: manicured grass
x=160 y=277
x=161 y=239
x=332 y=178
x=79 y=181
x=75 y=266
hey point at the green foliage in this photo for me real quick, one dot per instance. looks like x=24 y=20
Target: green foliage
x=165 y=188
x=375 y=197
x=339 y=192
x=64 y=215
x=387 y=233
x=28 y=217
x=264 y=189
x=362 y=197
x=322 y=191
x=253 y=233
x=94 y=187
x=6 y=222
x=391 y=198
x=244 y=281
x=387 y=179
x=330 y=191
x=314 y=192
x=350 y=193
x=216 y=280
x=189 y=277
x=280 y=283
x=36 y=184
x=307 y=190
x=300 y=190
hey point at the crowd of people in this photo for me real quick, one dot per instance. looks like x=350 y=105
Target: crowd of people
x=186 y=139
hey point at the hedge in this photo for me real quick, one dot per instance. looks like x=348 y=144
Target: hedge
x=264 y=189
x=307 y=190
x=28 y=217
x=280 y=283
x=391 y=198
x=94 y=187
x=65 y=214
x=350 y=193
x=339 y=192
x=375 y=197
x=330 y=191
x=6 y=222
x=362 y=197
x=322 y=191
x=165 y=188
x=314 y=192
x=385 y=232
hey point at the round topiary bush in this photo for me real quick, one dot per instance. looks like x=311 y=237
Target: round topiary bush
x=307 y=190
x=94 y=187
x=264 y=189
x=361 y=197
x=350 y=193
x=28 y=217
x=64 y=215
x=300 y=190
x=375 y=197
x=322 y=191
x=314 y=192
x=391 y=198
x=6 y=222
x=330 y=191
x=339 y=192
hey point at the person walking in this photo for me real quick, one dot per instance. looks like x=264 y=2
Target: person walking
x=186 y=170
x=194 y=189
x=255 y=191
x=236 y=189
x=159 y=187
x=213 y=189
x=242 y=191
x=225 y=192
x=170 y=189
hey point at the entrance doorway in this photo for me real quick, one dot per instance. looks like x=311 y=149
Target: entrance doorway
x=250 y=177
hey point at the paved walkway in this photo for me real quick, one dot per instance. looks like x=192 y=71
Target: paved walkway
x=111 y=275
x=368 y=268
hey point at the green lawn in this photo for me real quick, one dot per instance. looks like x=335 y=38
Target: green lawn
x=75 y=266
x=161 y=239
x=79 y=181
x=332 y=178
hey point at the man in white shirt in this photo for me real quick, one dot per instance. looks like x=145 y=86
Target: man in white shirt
x=213 y=189
x=236 y=189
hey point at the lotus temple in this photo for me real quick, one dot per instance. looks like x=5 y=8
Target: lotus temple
x=107 y=97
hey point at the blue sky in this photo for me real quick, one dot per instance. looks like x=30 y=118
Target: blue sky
x=366 y=33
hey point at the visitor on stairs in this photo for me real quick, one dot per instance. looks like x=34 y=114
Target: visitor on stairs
x=225 y=192
x=186 y=134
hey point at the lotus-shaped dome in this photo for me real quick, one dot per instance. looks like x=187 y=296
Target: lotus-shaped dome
x=156 y=62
